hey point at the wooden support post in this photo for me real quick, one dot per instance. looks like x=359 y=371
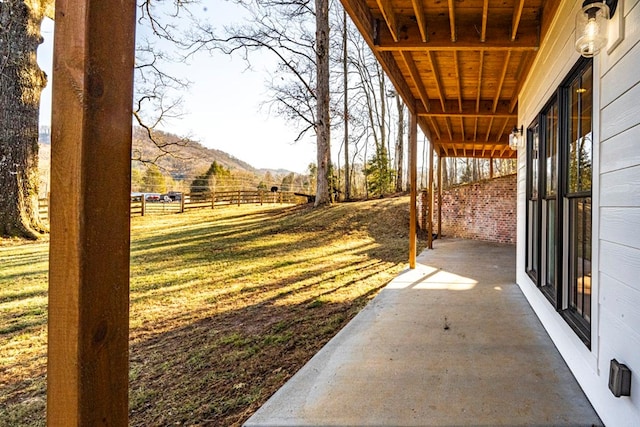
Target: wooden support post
x=440 y=163
x=143 y=205
x=88 y=336
x=181 y=202
x=430 y=199
x=413 y=188
x=491 y=168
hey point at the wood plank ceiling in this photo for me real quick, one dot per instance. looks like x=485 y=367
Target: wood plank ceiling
x=458 y=64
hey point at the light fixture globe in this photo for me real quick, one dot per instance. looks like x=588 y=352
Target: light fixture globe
x=591 y=28
x=516 y=138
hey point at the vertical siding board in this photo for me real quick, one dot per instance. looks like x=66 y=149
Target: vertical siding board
x=621 y=188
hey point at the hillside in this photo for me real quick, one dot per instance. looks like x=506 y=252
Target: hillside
x=186 y=157
x=179 y=158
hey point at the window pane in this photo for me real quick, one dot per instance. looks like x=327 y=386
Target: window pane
x=551 y=151
x=550 y=246
x=580 y=136
x=580 y=257
x=533 y=164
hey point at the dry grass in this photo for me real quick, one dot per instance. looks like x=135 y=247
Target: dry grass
x=226 y=305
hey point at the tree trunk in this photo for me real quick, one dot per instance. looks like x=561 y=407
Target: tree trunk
x=21 y=83
x=400 y=146
x=322 y=92
x=347 y=174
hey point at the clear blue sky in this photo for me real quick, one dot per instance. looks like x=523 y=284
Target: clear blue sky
x=223 y=104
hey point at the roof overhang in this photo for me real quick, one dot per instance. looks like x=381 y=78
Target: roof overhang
x=458 y=65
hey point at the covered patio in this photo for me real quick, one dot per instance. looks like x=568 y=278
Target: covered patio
x=451 y=342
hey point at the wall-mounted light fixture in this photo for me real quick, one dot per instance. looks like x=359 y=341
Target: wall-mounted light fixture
x=516 y=138
x=591 y=26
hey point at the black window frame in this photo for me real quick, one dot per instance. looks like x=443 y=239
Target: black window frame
x=538 y=257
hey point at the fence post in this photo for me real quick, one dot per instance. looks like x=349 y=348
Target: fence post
x=143 y=204
x=181 y=202
x=261 y=192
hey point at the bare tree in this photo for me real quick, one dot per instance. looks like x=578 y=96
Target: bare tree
x=400 y=146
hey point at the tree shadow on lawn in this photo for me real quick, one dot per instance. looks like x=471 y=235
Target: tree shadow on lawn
x=220 y=369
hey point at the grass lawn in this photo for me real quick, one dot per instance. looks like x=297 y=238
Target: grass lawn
x=226 y=305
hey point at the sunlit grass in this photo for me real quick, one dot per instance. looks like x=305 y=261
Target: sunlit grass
x=225 y=305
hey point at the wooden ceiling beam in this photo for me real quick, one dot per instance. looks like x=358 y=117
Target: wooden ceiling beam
x=389 y=16
x=479 y=88
x=468 y=109
x=488 y=135
x=447 y=122
x=523 y=71
x=505 y=67
x=411 y=37
x=452 y=20
x=485 y=16
x=436 y=78
x=456 y=64
x=517 y=15
x=421 y=19
x=435 y=127
x=407 y=57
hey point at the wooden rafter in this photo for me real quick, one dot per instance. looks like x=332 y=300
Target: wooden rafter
x=505 y=67
x=435 y=127
x=517 y=15
x=456 y=64
x=421 y=19
x=447 y=122
x=525 y=66
x=452 y=20
x=502 y=129
x=415 y=76
x=479 y=88
x=488 y=135
x=485 y=15
x=389 y=16
x=436 y=78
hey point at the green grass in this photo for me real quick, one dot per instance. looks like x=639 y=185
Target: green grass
x=226 y=305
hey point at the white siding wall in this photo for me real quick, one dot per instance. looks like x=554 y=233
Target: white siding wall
x=616 y=213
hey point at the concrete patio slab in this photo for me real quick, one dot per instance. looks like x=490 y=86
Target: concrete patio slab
x=452 y=342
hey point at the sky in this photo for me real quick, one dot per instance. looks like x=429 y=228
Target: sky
x=223 y=105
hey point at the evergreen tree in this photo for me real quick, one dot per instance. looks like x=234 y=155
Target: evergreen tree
x=380 y=176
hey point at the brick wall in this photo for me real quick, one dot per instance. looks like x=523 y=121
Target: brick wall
x=483 y=210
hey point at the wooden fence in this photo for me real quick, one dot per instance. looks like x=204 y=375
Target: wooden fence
x=184 y=202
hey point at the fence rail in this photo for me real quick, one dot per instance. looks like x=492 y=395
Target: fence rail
x=185 y=201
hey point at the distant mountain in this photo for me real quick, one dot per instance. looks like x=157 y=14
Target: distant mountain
x=181 y=156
